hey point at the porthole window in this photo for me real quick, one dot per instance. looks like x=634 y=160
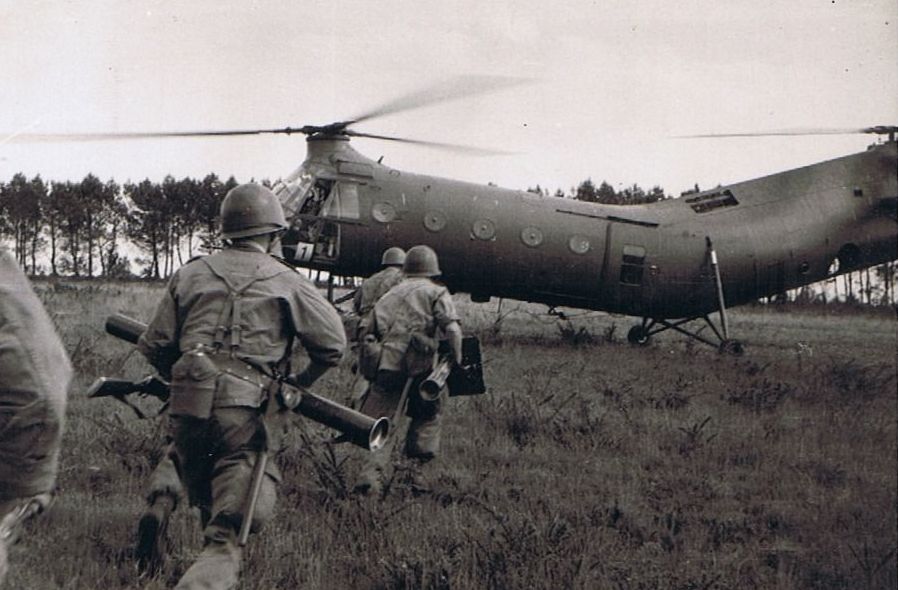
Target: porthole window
x=484 y=229
x=383 y=212
x=434 y=220
x=531 y=236
x=578 y=244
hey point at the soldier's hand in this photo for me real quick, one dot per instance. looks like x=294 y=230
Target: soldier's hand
x=308 y=376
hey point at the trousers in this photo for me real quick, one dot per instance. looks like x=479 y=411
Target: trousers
x=214 y=459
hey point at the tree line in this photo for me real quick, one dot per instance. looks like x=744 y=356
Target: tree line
x=79 y=228
x=604 y=193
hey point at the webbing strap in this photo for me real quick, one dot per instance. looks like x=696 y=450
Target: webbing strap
x=230 y=314
x=235 y=323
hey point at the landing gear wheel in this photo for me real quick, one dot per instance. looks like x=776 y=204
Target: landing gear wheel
x=733 y=347
x=638 y=336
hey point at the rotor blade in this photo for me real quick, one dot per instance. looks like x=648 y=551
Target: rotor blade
x=464 y=149
x=452 y=89
x=880 y=129
x=36 y=137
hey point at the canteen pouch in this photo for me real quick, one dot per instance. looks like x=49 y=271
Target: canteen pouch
x=419 y=355
x=193 y=383
x=369 y=357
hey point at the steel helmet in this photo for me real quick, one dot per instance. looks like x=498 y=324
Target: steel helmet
x=251 y=210
x=421 y=261
x=393 y=257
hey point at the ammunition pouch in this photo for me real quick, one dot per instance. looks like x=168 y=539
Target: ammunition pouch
x=370 y=350
x=240 y=385
x=193 y=385
x=419 y=355
x=203 y=380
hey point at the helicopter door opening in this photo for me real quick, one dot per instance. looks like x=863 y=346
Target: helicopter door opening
x=314 y=238
x=632 y=271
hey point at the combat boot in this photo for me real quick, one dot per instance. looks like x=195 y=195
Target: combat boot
x=151 y=534
x=416 y=479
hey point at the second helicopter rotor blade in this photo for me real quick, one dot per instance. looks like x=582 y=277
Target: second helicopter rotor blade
x=465 y=149
x=452 y=89
x=793 y=132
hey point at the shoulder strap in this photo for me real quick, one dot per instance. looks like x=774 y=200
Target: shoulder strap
x=229 y=312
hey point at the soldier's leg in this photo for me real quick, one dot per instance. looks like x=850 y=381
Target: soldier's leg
x=163 y=493
x=381 y=399
x=240 y=434
x=359 y=391
x=30 y=433
x=13 y=515
x=422 y=442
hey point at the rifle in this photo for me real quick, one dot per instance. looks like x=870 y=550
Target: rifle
x=151 y=386
x=364 y=431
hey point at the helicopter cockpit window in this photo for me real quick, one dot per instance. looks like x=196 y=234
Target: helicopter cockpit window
x=316 y=197
x=292 y=191
x=343 y=202
x=711 y=201
x=632 y=265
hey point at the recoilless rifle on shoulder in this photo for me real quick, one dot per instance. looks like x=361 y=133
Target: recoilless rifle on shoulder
x=364 y=431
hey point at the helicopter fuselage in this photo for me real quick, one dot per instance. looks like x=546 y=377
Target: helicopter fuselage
x=655 y=261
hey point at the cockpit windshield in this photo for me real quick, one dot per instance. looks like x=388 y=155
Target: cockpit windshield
x=312 y=206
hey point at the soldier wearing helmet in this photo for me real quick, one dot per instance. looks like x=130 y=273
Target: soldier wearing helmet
x=408 y=322
x=225 y=324
x=367 y=295
x=380 y=282
x=34 y=377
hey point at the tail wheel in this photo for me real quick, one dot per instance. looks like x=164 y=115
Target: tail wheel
x=638 y=335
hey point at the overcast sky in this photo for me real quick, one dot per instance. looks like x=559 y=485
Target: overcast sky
x=612 y=81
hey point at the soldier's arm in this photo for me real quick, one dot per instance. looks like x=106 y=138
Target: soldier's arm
x=319 y=330
x=447 y=319
x=159 y=343
x=357 y=300
x=453 y=333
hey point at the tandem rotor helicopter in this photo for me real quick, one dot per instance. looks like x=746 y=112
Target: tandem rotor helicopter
x=667 y=263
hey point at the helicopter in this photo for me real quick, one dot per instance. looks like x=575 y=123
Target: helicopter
x=669 y=263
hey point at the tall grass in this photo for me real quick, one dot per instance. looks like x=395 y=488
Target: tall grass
x=588 y=464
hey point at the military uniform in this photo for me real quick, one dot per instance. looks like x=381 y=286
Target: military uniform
x=407 y=321
x=222 y=315
x=374 y=287
x=34 y=377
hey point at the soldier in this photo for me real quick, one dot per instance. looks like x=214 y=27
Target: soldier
x=226 y=323
x=34 y=378
x=406 y=322
x=372 y=289
x=380 y=282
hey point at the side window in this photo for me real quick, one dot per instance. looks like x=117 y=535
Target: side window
x=632 y=265
x=712 y=201
x=343 y=202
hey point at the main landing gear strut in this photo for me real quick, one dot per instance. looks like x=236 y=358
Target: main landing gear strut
x=640 y=334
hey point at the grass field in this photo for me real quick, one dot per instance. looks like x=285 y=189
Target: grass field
x=588 y=464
